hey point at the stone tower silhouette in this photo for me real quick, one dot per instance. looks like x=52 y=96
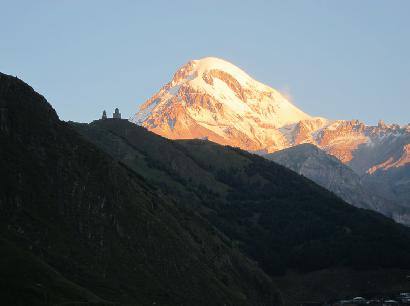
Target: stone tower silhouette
x=104 y=115
x=117 y=114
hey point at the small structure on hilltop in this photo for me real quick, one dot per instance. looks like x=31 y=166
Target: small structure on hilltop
x=117 y=114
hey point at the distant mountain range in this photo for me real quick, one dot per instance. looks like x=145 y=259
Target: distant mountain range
x=213 y=99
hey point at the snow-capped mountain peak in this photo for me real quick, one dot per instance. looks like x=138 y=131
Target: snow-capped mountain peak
x=196 y=72
x=213 y=98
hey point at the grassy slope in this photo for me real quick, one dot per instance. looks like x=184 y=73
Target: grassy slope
x=27 y=280
x=282 y=220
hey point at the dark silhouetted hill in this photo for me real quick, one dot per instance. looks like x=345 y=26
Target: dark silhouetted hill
x=77 y=226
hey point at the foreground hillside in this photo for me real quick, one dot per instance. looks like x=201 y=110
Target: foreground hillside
x=79 y=227
x=280 y=219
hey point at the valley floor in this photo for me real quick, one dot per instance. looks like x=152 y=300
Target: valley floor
x=336 y=284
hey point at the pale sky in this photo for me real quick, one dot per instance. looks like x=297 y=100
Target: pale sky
x=336 y=59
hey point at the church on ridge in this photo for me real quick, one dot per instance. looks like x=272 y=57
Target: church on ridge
x=115 y=115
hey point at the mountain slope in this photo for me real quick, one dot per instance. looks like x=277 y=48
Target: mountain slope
x=324 y=169
x=279 y=218
x=331 y=173
x=101 y=226
x=214 y=99
x=385 y=165
x=393 y=184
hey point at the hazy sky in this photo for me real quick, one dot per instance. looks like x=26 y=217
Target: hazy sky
x=337 y=59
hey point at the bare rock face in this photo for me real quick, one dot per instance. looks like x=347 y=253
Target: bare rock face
x=342 y=138
x=324 y=169
x=329 y=172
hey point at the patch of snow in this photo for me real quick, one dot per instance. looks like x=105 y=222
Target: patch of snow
x=171 y=123
x=143 y=114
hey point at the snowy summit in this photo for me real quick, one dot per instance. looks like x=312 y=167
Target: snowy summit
x=213 y=98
